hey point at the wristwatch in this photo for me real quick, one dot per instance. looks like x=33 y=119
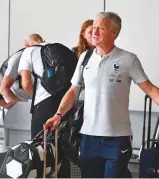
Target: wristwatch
x=59 y=114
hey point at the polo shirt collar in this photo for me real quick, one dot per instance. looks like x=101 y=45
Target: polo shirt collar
x=115 y=49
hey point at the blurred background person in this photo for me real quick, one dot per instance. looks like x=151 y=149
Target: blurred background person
x=84 y=43
x=85 y=38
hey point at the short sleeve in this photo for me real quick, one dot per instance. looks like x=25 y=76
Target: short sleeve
x=77 y=76
x=136 y=71
x=26 y=60
x=13 y=63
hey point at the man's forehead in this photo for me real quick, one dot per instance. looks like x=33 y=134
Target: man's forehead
x=101 y=21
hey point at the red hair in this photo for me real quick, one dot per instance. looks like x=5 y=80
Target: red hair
x=82 y=43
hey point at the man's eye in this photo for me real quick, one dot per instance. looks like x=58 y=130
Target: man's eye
x=102 y=28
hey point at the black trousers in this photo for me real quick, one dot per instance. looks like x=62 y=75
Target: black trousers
x=41 y=113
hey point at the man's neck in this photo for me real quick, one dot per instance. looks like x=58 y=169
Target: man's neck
x=104 y=50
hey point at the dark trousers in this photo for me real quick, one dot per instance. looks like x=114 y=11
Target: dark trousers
x=105 y=157
x=41 y=113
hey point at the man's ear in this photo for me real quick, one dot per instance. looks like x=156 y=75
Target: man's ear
x=114 y=32
x=27 y=45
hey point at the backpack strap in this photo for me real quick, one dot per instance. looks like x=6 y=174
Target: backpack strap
x=35 y=84
x=43 y=55
x=84 y=63
x=19 y=81
x=86 y=58
x=34 y=92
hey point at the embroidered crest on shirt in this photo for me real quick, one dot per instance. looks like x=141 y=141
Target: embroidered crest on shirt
x=114 y=75
x=116 y=67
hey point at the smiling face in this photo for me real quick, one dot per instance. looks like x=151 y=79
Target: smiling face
x=103 y=32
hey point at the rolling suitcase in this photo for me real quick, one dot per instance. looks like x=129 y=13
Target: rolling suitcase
x=149 y=156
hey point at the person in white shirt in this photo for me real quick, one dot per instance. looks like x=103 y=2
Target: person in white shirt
x=10 y=87
x=45 y=104
x=105 y=147
x=30 y=63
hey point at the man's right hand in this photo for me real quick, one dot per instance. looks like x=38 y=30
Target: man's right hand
x=10 y=105
x=52 y=123
x=7 y=105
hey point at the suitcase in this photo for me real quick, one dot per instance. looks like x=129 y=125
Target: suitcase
x=149 y=156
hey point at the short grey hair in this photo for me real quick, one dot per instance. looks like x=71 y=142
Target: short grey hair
x=113 y=17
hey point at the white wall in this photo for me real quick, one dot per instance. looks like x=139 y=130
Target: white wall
x=60 y=21
x=55 y=20
x=140 y=34
x=4 y=11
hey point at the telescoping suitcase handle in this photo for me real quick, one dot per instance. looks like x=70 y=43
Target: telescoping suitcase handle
x=56 y=153
x=147 y=98
x=44 y=154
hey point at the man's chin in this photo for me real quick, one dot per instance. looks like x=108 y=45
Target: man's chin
x=95 y=43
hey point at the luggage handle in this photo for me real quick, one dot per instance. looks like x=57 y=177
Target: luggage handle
x=155 y=141
x=56 y=153
x=45 y=132
x=44 y=154
x=149 y=123
x=40 y=135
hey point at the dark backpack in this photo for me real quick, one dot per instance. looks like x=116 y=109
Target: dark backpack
x=4 y=67
x=59 y=64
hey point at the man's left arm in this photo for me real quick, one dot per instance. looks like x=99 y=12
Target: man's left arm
x=25 y=70
x=27 y=82
x=151 y=90
x=139 y=77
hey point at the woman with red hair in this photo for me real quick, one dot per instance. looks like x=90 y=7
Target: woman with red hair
x=85 y=38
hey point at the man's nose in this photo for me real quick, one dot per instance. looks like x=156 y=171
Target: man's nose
x=96 y=31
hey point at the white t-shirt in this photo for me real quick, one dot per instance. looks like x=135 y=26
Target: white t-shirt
x=31 y=60
x=12 y=71
x=107 y=85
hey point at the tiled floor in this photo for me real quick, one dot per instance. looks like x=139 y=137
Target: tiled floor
x=134 y=168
